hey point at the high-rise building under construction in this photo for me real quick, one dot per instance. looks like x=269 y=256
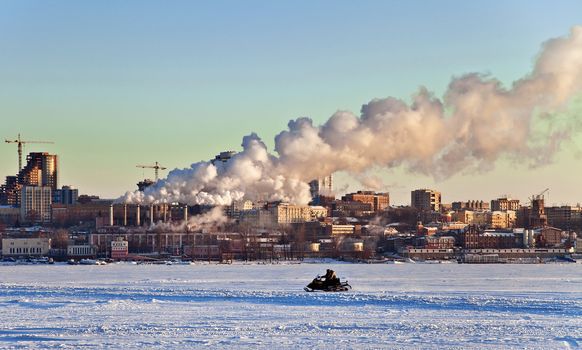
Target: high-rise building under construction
x=41 y=170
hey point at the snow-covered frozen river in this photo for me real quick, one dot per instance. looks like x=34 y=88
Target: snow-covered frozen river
x=401 y=306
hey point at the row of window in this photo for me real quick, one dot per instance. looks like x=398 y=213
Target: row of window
x=80 y=251
x=32 y=250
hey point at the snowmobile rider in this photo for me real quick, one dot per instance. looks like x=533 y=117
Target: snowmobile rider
x=330 y=277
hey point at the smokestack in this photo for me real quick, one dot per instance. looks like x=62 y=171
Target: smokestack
x=186 y=213
x=137 y=216
x=151 y=214
x=125 y=215
x=111 y=215
x=165 y=209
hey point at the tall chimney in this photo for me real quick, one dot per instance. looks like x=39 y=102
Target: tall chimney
x=151 y=214
x=186 y=212
x=165 y=208
x=111 y=215
x=125 y=215
x=137 y=217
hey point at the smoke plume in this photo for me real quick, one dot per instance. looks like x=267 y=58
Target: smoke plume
x=477 y=122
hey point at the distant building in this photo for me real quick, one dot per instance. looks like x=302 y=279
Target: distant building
x=142 y=185
x=9 y=215
x=26 y=246
x=284 y=213
x=40 y=170
x=463 y=216
x=501 y=219
x=339 y=230
x=119 y=248
x=444 y=242
x=352 y=208
x=323 y=186
x=378 y=201
x=223 y=157
x=537 y=215
x=504 y=203
x=565 y=216
x=35 y=206
x=66 y=195
x=80 y=251
x=551 y=237
x=425 y=199
x=470 y=205
x=235 y=209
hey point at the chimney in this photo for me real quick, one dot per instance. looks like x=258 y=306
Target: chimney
x=137 y=216
x=151 y=214
x=165 y=208
x=186 y=213
x=111 y=215
x=125 y=215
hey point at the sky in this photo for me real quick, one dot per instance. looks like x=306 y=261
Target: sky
x=120 y=83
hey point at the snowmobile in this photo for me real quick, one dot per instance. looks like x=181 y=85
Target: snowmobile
x=319 y=283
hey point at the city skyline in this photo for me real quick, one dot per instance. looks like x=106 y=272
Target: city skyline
x=110 y=99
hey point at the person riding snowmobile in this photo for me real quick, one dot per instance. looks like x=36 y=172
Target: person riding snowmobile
x=330 y=278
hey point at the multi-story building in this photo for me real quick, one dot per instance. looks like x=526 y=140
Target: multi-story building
x=66 y=195
x=497 y=240
x=235 y=209
x=464 y=216
x=443 y=242
x=469 y=239
x=40 y=170
x=537 y=215
x=345 y=208
x=9 y=215
x=551 y=236
x=425 y=199
x=322 y=186
x=79 y=251
x=504 y=203
x=119 y=248
x=285 y=213
x=378 y=201
x=35 y=206
x=564 y=217
x=470 y=205
x=223 y=157
x=339 y=230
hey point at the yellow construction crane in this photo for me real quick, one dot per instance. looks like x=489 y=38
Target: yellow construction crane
x=157 y=167
x=20 y=144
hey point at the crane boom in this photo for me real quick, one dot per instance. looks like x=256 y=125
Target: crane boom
x=21 y=143
x=157 y=167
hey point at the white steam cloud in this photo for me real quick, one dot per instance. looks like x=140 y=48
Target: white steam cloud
x=203 y=222
x=477 y=122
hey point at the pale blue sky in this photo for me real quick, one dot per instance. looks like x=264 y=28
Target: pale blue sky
x=117 y=83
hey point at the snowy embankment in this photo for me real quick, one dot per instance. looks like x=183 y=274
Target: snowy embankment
x=264 y=306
